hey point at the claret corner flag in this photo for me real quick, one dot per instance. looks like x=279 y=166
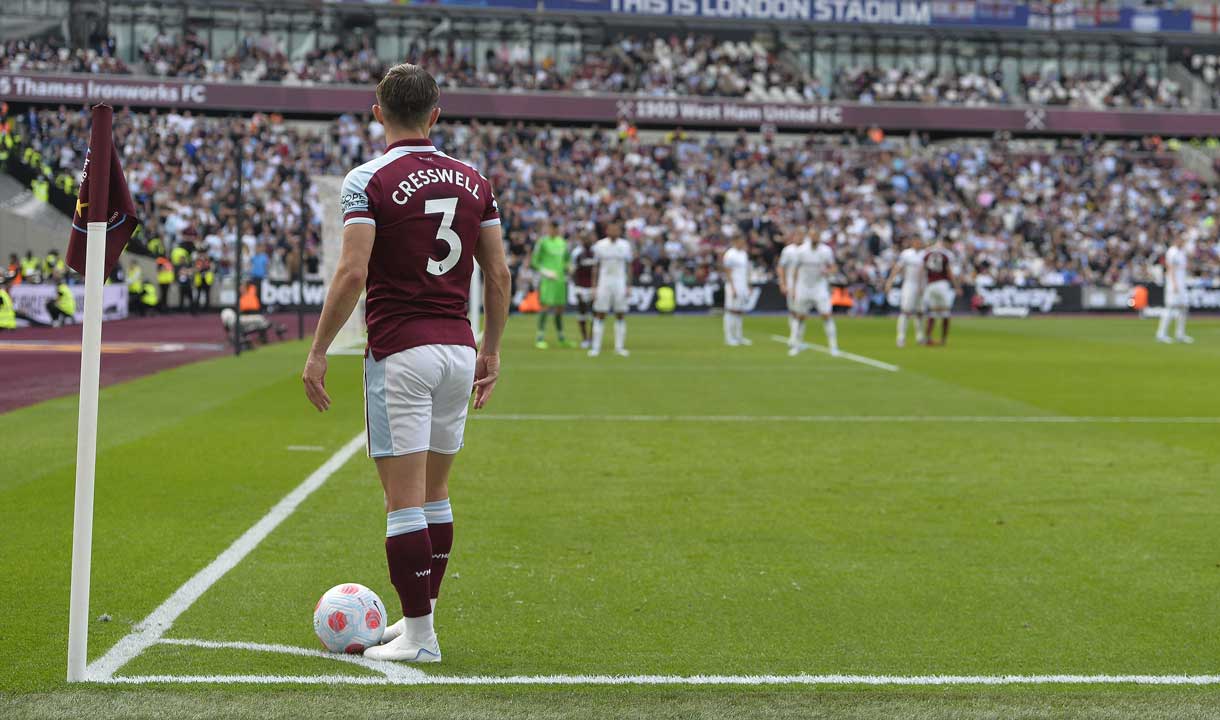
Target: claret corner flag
x=103 y=197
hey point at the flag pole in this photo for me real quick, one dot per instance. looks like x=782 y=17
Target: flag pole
x=96 y=200
x=86 y=452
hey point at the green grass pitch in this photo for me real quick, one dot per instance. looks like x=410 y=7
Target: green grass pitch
x=731 y=526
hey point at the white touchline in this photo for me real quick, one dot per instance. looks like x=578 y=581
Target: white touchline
x=150 y=630
x=878 y=419
x=675 y=680
x=305 y=448
x=843 y=354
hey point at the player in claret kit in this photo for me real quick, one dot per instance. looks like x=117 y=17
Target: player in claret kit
x=415 y=222
x=910 y=267
x=611 y=287
x=735 y=268
x=583 y=264
x=941 y=290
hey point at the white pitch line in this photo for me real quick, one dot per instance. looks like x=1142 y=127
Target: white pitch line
x=150 y=630
x=305 y=448
x=868 y=419
x=394 y=671
x=908 y=680
x=842 y=354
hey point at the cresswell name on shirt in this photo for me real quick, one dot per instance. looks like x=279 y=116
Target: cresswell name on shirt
x=427 y=176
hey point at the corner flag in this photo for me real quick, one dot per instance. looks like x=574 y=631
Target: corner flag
x=103 y=196
x=101 y=226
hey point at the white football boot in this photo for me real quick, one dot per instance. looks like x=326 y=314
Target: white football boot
x=622 y=352
x=744 y=341
x=405 y=649
x=1185 y=339
x=1164 y=339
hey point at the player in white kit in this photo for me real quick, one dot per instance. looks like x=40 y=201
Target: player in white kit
x=736 y=271
x=1176 y=301
x=785 y=274
x=910 y=267
x=814 y=265
x=612 y=280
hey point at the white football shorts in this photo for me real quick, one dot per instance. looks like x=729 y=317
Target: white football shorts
x=416 y=400
x=910 y=299
x=610 y=299
x=737 y=298
x=582 y=294
x=938 y=297
x=810 y=299
x=1176 y=299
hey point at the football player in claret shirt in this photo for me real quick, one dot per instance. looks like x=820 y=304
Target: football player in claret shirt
x=941 y=290
x=583 y=264
x=415 y=222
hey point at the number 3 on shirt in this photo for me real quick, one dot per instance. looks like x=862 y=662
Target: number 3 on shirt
x=447 y=206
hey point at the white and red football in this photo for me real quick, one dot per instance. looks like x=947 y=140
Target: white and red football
x=349 y=618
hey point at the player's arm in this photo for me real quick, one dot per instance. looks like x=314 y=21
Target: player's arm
x=889 y=279
x=781 y=275
x=727 y=278
x=497 y=283
x=341 y=299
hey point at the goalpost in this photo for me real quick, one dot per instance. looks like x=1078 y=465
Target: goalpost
x=353 y=335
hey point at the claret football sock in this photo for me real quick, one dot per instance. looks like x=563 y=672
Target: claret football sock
x=439 y=515
x=408 y=552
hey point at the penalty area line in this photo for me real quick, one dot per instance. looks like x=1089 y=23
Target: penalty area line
x=863 y=360
x=150 y=630
x=861 y=680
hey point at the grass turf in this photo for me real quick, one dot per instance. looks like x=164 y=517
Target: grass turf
x=680 y=547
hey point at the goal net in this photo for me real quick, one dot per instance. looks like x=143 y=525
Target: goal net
x=353 y=335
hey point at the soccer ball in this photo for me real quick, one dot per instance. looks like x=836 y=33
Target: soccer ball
x=349 y=618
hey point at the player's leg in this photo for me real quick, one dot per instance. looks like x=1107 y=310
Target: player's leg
x=921 y=335
x=902 y=329
x=439 y=515
x=558 y=310
x=825 y=310
x=599 y=331
x=583 y=307
x=399 y=408
x=944 y=327
x=1180 y=313
x=796 y=340
x=620 y=334
x=601 y=306
x=540 y=336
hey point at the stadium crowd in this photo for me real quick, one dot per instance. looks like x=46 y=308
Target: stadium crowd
x=692 y=64
x=1072 y=213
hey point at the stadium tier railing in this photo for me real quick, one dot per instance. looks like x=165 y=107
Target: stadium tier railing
x=606 y=109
